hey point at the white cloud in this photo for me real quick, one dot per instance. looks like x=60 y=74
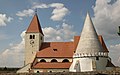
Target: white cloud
x=40 y=5
x=115 y=54
x=106 y=20
x=13 y=56
x=25 y=13
x=4 y=19
x=64 y=33
x=59 y=12
x=57 y=5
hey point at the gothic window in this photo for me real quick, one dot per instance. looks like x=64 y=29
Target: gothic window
x=54 y=60
x=65 y=60
x=42 y=60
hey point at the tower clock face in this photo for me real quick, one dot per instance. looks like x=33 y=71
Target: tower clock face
x=32 y=43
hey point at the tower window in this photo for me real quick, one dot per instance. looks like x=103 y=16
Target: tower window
x=97 y=58
x=32 y=36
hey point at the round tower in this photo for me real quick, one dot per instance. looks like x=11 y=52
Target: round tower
x=89 y=55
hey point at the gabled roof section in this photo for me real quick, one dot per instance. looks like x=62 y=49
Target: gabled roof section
x=35 y=25
x=89 y=42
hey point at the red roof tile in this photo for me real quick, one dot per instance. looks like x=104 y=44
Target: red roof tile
x=51 y=65
x=56 y=49
x=35 y=25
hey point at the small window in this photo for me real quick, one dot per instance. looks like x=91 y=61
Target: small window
x=54 y=60
x=97 y=58
x=33 y=36
x=55 y=49
x=30 y=36
x=74 y=51
x=38 y=72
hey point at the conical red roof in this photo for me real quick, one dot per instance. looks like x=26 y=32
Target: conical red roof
x=35 y=25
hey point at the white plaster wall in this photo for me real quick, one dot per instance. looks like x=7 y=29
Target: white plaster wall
x=58 y=59
x=72 y=67
x=53 y=70
x=86 y=64
x=89 y=64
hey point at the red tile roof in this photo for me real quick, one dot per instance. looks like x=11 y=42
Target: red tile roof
x=62 y=49
x=35 y=25
x=56 y=49
x=59 y=50
x=54 y=65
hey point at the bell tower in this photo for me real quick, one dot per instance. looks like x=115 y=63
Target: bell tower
x=33 y=39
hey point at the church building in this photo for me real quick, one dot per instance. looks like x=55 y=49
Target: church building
x=86 y=52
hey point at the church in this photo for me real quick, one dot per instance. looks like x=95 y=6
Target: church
x=86 y=52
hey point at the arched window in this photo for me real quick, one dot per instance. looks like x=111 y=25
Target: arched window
x=54 y=60
x=65 y=60
x=33 y=36
x=42 y=60
x=30 y=36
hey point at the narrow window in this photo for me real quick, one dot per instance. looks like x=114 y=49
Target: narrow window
x=97 y=58
x=33 y=36
x=30 y=36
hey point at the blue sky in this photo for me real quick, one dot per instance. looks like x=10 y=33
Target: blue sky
x=61 y=19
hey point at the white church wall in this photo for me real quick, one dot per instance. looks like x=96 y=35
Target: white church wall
x=73 y=67
x=85 y=64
